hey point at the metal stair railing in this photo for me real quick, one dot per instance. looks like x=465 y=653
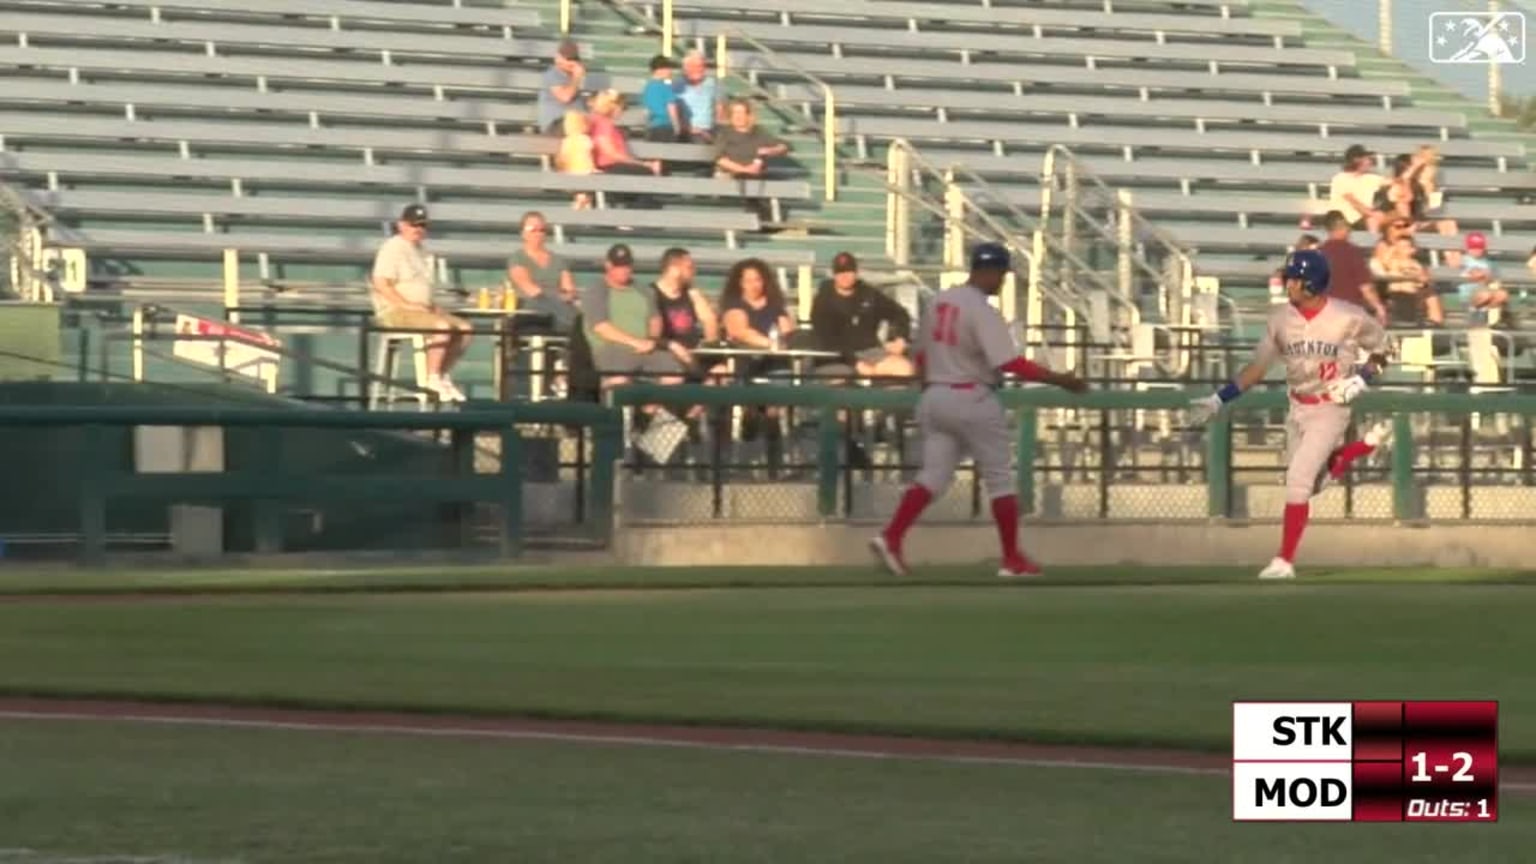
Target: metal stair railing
x=826 y=127
x=968 y=213
x=23 y=226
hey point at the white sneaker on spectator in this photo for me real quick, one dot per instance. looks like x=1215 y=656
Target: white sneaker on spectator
x=443 y=388
x=450 y=391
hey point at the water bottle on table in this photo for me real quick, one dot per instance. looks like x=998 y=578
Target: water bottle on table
x=773 y=338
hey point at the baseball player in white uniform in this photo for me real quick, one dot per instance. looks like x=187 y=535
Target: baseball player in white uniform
x=964 y=348
x=1320 y=339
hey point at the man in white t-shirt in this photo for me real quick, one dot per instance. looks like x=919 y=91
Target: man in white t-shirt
x=1353 y=190
x=402 y=284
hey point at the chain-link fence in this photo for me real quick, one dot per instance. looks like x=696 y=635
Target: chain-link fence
x=1111 y=456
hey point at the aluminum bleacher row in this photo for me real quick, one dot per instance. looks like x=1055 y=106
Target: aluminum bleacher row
x=166 y=130
x=294 y=130
x=1225 y=126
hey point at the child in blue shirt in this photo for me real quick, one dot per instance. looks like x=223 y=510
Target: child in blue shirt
x=660 y=100
x=1479 y=288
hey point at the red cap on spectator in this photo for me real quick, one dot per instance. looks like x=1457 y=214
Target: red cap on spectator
x=1476 y=240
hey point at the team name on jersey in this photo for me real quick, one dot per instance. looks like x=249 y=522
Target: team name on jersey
x=1310 y=348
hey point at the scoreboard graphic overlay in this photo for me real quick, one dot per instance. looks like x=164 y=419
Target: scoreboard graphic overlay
x=1365 y=761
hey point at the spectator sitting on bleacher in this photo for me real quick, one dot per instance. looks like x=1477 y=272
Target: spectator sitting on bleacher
x=561 y=87
x=610 y=147
x=402 y=287
x=1353 y=189
x=1406 y=196
x=1349 y=276
x=575 y=154
x=541 y=278
x=698 y=95
x=664 y=119
x=687 y=318
x=1409 y=298
x=1479 y=287
x=1428 y=159
x=623 y=325
x=846 y=318
x=1402 y=195
x=742 y=151
x=754 y=314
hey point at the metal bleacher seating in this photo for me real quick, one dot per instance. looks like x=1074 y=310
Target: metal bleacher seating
x=294 y=131
x=1225 y=126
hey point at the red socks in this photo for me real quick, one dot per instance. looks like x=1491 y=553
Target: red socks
x=1348 y=454
x=912 y=505
x=1295 y=523
x=1005 y=511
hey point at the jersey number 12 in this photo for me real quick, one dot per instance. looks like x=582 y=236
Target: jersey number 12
x=944 y=329
x=1328 y=370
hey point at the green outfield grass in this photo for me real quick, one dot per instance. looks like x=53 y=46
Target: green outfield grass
x=104 y=792
x=1109 y=664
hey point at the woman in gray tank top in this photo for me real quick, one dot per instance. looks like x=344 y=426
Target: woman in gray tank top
x=541 y=278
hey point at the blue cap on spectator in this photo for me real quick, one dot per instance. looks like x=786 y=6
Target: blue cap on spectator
x=991 y=256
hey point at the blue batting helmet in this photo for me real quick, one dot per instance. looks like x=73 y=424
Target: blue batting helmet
x=1310 y=267
x=991 y=256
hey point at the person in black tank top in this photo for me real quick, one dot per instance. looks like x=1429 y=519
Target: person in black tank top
x=687 y=319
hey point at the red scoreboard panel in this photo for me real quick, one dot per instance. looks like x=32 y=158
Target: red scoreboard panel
x=1365 y=761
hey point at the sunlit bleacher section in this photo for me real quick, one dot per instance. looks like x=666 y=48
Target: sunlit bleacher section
x=1222 y=123
x=160 y=135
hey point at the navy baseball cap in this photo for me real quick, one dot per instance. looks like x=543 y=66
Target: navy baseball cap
x=991 y=256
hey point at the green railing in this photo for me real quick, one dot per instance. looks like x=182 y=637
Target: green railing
x=273 y=476
x=1437 y=438
x=1455 y=456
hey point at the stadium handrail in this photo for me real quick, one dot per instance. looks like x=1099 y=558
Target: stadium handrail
x=265 y=479
x=829 y=98
x=960 y=204
x=24 y=246
x=828 y=126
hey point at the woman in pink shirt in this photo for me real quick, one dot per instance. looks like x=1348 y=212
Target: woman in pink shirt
x=611 y=151
x=610 y=147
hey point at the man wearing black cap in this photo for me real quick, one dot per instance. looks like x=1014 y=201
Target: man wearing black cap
x=846 y=318
x=561 y=88
x=1353 y=190
x=964 y=350
x=623 y=326
x=402 y=284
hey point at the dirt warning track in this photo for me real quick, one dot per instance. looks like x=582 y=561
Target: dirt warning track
x=724 y=738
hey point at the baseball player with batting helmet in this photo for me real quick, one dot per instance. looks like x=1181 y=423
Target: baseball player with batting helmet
x=1319 y=339
x=964 y=348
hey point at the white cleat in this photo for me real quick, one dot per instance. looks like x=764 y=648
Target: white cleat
x=887 y=556
x=1278 y=569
